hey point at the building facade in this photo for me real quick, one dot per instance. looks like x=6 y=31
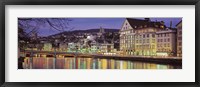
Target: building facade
x=47 y=47
x=140 y=37
x=166 y=42
x=63 y=46
x=179 y=39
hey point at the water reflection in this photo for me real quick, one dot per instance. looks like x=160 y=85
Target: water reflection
x=91 y=63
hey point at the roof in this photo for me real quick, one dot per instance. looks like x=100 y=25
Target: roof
x=139 y=22
x=179 y=23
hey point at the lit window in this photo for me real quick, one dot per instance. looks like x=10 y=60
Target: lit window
x=153 y=41
x=147 y=40
x=161 y=26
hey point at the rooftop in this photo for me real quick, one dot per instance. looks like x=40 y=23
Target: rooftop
x=135 y=23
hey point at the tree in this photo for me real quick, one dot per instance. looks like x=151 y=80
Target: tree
x=59 y=24
x=30 y=26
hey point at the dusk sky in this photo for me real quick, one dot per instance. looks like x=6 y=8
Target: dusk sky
x=92 y=23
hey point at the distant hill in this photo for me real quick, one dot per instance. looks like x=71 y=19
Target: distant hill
x=85 y=31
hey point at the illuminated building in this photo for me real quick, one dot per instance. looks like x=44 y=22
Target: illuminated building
x=47 y=47
x=166 y=42
x=106 y=48
x=71 y=47
x=179 y=38
x=138 y=37
x=63 y=46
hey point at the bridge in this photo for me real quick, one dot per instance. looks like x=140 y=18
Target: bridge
x=154 y=59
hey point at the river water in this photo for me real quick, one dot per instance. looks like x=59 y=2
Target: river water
x=91 y=63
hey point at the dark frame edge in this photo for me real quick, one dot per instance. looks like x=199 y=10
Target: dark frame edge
x=2 y=44
x=2 y=54
x=197 y=27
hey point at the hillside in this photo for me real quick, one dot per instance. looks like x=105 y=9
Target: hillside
x=85 y=31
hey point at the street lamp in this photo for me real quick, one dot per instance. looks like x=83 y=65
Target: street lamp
x=54 y=59
x=31 y=55
x=76 y=60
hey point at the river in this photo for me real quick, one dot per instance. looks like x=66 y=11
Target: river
x=91 y=63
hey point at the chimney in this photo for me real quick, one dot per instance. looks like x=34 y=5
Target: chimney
x=170 y=24
x=147 y=19
x=162 y=22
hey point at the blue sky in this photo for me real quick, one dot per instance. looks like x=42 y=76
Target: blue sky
x=91 y=23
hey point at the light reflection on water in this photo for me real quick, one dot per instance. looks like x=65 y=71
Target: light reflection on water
x=91 y=63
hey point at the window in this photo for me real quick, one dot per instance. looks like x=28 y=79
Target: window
x=144 y=41
x=160 y=35
x=147 y=40
x=153 y=40
x=168 y=35
x=161 y=26
x=179 y=43
x=179 y=38
x=160 y=40
x=179 y=27
x=168 y=39
x=147 y=35
x=164 y=40
x=153 y=46
x=153 y=35
x=180 y=32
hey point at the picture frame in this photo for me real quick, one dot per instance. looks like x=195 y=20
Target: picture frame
x=98 y=2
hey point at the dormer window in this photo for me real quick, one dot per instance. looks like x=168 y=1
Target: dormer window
x=161 y=26
x=141 y=26
x=135 y=26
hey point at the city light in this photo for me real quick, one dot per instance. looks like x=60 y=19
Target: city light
x=134 y=39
